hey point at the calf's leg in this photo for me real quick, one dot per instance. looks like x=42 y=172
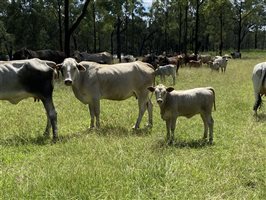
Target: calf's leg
x=205 y=122
x=210 y=124
x=173 y=124
x=168 y=129
x=91 y=109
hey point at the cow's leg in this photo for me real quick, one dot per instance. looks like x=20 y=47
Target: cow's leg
x=51 y=117
x=91 y=109
x=174 y=77
x=210 y=124
x=142 y=107
x=168 y=129
x=96 y=103
x=205 y=122
x=257 y=104
x=94 y=108
x=173 y=124
x=150 y=108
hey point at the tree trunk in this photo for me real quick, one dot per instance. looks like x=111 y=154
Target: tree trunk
x=239 y=28
x=118 y=38
x=186 y=28
x=221 y=33
x=94 y=27
x=59 y=12
x=67 y=34
x=69 y=31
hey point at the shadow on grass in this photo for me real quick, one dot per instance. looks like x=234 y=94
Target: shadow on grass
x=260 y=117
x=108 y=130
x=194 y=144
x=18 y=140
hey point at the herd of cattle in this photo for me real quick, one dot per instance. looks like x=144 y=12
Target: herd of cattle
x=94 y=77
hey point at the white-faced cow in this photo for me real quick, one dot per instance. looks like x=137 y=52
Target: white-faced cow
x=219 y=63
x=185 y=103
x=91 y=82
x=259 y=84
x=21 y=79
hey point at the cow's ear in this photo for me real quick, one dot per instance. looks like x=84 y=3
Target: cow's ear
x=151 y=89
x=170 y=89
x=81 y=67
x=59 y=66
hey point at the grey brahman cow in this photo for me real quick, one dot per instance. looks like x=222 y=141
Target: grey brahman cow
x=185 y=103
x=259 y=84
x=91 y=82
x=21 y=79
x=166 y=70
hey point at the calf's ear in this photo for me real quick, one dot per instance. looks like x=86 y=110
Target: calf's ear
x=151 y=89
x=170 y=89
x=81 y=67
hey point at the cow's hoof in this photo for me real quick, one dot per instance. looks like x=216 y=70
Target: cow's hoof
x=46 y=134
x=148 y=125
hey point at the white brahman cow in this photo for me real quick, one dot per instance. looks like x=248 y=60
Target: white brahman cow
x=91 y=82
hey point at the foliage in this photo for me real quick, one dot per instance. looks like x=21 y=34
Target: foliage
x=129 y=27
x=116 y=163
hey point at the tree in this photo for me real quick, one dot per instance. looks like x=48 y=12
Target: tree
x=69 y=30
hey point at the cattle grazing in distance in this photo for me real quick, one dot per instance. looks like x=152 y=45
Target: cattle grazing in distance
x=185 y=103
x=195 y=63
x=236 y=54
x=164 y=60
x=46 y=54
x=102 y=57
x=91 y=82
x=166 y=70
x=21 y=79
x=259 y=84
x=205 y=58
x=151 y=59
x=128 y=58
x=219 y=63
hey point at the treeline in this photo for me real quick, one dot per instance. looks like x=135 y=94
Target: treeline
x=126 y=26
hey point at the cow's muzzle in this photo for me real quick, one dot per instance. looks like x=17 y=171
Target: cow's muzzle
x=159 y=101
x=68 y=82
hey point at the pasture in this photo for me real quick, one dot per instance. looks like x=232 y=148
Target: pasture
x=115 y=162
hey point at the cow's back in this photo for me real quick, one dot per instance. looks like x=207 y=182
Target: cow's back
x=188 y=102
x=118 y=81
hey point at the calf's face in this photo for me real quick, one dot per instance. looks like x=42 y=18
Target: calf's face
x=160 y=92
x=70 y=69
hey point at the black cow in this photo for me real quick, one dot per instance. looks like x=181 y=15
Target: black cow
x=30 y=78
x=46 y=54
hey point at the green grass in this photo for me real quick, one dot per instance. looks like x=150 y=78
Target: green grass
x=117 y=163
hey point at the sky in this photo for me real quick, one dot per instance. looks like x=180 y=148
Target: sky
x=147 y=3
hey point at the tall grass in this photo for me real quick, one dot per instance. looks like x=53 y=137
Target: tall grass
x=115 y=162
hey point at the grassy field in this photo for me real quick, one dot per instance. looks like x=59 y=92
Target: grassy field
x=116 y=163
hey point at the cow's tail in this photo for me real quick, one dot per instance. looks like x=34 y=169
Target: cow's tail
x=213 y=92
x=258 y=103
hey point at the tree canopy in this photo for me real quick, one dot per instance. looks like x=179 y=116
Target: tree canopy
x=127 y=26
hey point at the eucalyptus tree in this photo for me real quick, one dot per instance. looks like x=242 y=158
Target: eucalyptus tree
x=246 y=16
x=218 y=28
